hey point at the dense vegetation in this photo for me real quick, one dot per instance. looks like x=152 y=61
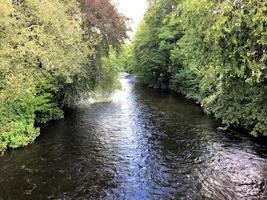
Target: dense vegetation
x=52 y=52
x=211 y=51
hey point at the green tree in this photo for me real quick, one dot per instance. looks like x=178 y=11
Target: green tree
x=152 y=60
x=211 y=51
x=48 y=59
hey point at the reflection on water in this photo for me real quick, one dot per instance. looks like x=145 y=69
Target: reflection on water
x=143 y=144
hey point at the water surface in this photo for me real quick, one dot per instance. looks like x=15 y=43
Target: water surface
x=142 y=144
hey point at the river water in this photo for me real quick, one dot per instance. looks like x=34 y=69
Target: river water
x=142 y=144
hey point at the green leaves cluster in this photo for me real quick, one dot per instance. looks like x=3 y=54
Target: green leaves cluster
x=47 y=60
x=146 y=47
x=213 y=52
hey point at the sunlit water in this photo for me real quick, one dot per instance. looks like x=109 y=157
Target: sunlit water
x=143 y=144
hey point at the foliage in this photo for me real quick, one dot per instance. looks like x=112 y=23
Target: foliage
x=109 y=72
x=151 y=56
x=103 y=21
x=125 y=58
x=214 y=52
x=48 y=59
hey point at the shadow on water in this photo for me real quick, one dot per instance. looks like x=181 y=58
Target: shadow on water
x=143 y=144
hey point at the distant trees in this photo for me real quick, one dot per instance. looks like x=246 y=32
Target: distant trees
x=152 y=57
x=211 y=51
x=48 y=59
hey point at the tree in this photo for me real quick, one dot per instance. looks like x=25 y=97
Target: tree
x=102 y=19
x=152 y=60
x=211 y=51
x=48 y=59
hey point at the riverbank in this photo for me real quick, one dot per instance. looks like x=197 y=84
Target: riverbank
x=213 y=53
x=49 y=58
x=221 y=127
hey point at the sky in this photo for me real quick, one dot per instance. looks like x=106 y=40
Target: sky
x=133 y=9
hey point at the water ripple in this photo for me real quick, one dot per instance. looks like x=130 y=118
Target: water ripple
x=142 y=144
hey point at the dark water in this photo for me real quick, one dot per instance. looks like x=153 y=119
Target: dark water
x=144 y=144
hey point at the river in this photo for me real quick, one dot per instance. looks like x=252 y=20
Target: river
x=142 y=144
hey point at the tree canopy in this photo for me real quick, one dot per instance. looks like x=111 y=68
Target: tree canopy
x=211 y=51
x=50 y=57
